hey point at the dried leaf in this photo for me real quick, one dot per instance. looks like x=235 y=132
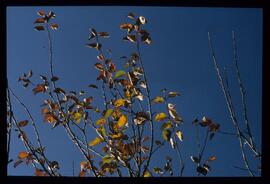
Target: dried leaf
x=160 y=116
x=39 y=88
x=39 y=28
x=94 y=45
x=54 y=78
x=18 y=162
x=82 y=173
x=96 y=141
x=104 y=34
x=54 y=26
x=39 y=172
x=23 y=123
x=173 y=94
x=132 y=38
x=100 y=57
x=39 y=21
x=212 y=158
x=99 y=66
x=131 y=15
x=41 y=13
x=126 y=26
x=140 y=118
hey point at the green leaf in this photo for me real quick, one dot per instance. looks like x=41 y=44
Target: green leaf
x=119 y=73
x=108 y=113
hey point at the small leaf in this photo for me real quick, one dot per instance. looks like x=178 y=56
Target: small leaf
x=39 y=28
x=39 y=172
x=173 y=94
x=142 y=20
x=94 y=45
x=179 y=135
x=158 y=170
x=122 y=121
x=54 y=78
x=132 y=38
x=23 y=123
x=202 y=170
x=100 y=57
x=82 y=173
x=18 y=162
x=51 y=15
x=92 y=86
x=101 y=121
x=54 y=26
x=166 y=125
x=157 y=142
x=96 y=141
x=147 y=174
x=212 y=158
x=77 y=117
x=120 y=102
x=126 y=26
x=39 y=88
x=104 y=34
x=166 y=134
x=119 y=73
x=158 y=99
x=39 y=21
x=160 y=116
x=99 y=66
x=195 y=159
x=41 y=13
x=108 y=113
x=131 y=15
x=23 y=155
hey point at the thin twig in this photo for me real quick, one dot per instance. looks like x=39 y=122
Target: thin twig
x=229 y=106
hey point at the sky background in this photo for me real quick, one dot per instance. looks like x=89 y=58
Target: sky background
x=178 y=59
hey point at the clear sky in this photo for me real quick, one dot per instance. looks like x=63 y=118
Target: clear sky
x=178 y=59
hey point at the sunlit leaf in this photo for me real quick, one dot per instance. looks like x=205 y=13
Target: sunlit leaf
x=141 y=117
x=160 y=116
x=54 y=26
x=100 y=57
x=101 y=121
x=82 y=173
x=172 y=143
x=173 y=94
x=202 y=170
x=23 y=123
x=119 y=73
x=158 y=170
x=179 y=135
x=122 y=121
x=96 y=141
x=108 y=113
x=39 y=28
x=166 y=134
x=147 y=174
x=166 y=125
x=119 y=102
x=39 y=172
x=102 y=131
x=85 y=165
x=77 y=117
x=23 y=155
x=142 y=20
x=158 y=99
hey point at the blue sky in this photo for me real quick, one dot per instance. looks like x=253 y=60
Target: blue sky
x=178 y=59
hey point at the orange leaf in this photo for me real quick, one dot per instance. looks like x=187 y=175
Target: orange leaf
x=23 y=155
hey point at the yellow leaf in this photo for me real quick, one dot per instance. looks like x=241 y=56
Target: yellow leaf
x=77 y=117
x=118 y=103
x=118 y=135
x=101 y=121
x=108 y=113
x=23 y=123
x=23 y=155
x=161 y=116
x=96 y=141
x=158 y=99
x=122 y=121
x=166 y=134
x=147 y=174
x=179 y=135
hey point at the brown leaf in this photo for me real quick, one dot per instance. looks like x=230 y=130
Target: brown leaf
x=100 y=57
x=126 y=26
x=92 y=86
x=39 y=28
x=212 y=158
x=99 y=66
x=39 y=88
x=104 y=34
x=54 y=78
x=132 y=38
x=54 y=26
x=39 y=21
x=59 y=90
x=41 y=13
x=94 y=45
x=51 y=15
x=131 y=15
x=23 y=123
